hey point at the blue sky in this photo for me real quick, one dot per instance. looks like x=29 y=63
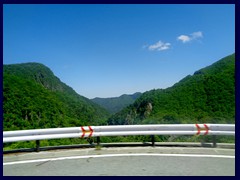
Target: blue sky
x=110 y=50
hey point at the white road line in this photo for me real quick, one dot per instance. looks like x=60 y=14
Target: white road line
x=118 y=155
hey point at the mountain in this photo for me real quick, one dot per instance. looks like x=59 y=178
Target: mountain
x=116 y=104
x=33 y=97
x=206 y=96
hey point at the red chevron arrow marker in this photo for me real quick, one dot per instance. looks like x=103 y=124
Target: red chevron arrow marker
x=199 y=129
x=207 y=129
x=87 y=131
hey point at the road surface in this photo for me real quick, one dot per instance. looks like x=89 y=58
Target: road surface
x=124 y=161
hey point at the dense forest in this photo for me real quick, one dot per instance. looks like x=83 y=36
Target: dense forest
x=206 y=96
x=116 y=104
x=34 y=98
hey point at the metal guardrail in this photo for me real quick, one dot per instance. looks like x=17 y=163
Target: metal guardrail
x=119 y=130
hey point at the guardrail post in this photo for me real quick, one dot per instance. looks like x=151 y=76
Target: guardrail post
x=214 y=140
x=98 y=140
x=37 y=145
x=153 y=140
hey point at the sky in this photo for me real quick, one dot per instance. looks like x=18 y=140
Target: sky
x=106 y=50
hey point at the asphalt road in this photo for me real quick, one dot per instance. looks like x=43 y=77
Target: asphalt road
x=127 y=161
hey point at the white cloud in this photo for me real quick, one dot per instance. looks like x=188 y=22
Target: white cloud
x=184 y=38
x=196 y=35
x=159 y=46
x=188 y=38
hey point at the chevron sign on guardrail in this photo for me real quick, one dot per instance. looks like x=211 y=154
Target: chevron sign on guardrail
x=119 y=130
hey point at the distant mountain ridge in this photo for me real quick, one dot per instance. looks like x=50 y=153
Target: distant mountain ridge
x=206 y=96
x=116 y=104
x=33 y=97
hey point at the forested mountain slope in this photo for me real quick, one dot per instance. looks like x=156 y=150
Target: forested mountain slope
x=116 y=104
x=33 y=97
x=206 y=96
